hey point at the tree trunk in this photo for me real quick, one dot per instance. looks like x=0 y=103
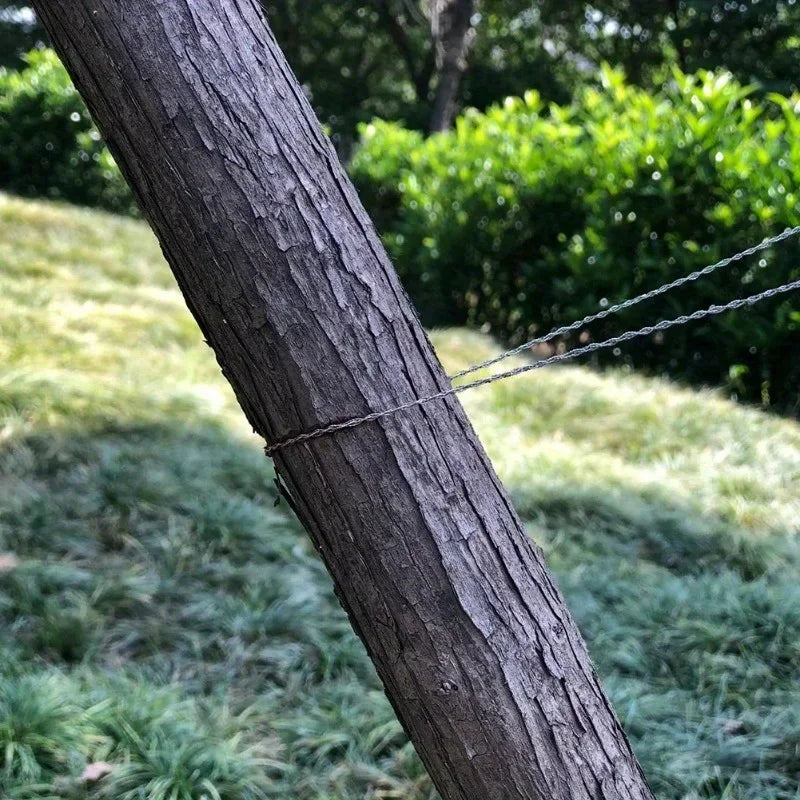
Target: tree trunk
x=290 y=285
x=452 y=33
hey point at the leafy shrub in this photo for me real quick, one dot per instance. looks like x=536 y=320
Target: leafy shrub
x=48 y=144
x=530 y=216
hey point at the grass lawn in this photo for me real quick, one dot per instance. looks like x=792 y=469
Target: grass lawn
x=164 y=622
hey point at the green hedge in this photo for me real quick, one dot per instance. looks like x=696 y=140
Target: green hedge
x=48 y=144
x=529 y=216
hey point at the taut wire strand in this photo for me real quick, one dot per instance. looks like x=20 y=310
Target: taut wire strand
x=574 y=326
x=579 y=351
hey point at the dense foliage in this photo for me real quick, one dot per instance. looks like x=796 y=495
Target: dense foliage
x=360 y=60
x=20 y=31
x=532 y=215
x=49 y=146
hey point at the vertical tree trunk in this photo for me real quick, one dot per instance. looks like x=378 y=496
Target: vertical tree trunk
x=290 y=285
x=452 y=32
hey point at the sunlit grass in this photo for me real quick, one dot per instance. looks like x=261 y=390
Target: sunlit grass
x=624 y=431
x=167 y=632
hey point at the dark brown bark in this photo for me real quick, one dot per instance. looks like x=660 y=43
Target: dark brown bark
x=452 y=32
x=291 y=287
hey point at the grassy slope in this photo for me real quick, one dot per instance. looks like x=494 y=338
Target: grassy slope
x=158 y=612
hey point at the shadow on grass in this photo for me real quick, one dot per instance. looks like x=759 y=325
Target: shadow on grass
x=160 y=543
x=152 y=558
x=575 y=525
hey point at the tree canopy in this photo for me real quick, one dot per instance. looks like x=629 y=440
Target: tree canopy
x=361 y=59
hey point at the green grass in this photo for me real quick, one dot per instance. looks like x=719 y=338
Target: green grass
x=159 y=614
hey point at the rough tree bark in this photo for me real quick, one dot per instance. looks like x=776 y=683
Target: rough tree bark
x=291 y=287
x=452 y=32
